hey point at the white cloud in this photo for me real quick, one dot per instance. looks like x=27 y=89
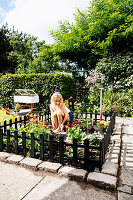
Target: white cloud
x=38 y=17
x=2 y=12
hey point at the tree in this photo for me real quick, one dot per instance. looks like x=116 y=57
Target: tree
x=106 y=27
x=5 y=48
x=25 y=49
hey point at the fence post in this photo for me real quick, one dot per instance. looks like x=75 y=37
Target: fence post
x=8 y=141
x=16 y=141
x=74 y=159
x=32 y=153
x=25 y=118
x=20 y=121
x=41 y=147
x=91 y=114
x=10 y=122
x=4 y=126
x=101 y=155
x=61 y=149
x=24 y=143
x=106 y=115
x=51 y=148
x=1 y=139
x=16 y=123
x=86 y=154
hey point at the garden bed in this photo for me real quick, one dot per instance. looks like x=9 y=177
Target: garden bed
x=37 y=141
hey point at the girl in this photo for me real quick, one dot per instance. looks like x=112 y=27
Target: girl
x=59 y=112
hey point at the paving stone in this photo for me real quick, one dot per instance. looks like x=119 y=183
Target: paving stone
x=103 y=180
x=126 y=177
x=49 y=166
x=78 y=174
x=110 y=168
x=115 y=137
x=30 y=162
x=4 y=156
x=15 y=159
x=124 y=196
x=114 y=156
x=129 y=159
x=129 y=164
x=114 y=160
x=125 y=188
x=129 y=155
x=116 y=151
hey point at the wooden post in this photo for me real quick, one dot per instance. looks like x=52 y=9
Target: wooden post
x=10 y=122
x=16 y=142
x=41 y=147
x=51 y=148
x=32 y=153
x=16 y=123
x=86 y=154
x=24 y=143
x=61 y=149
x=101 y=103
x=5 y=126
x=1 y=140
x=74 y=159
x=8 y=141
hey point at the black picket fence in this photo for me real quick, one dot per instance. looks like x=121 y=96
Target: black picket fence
x=84 y=155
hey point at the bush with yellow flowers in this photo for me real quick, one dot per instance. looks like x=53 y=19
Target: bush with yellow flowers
x=103 y=125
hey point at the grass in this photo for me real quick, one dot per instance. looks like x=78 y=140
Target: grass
x=4 y=116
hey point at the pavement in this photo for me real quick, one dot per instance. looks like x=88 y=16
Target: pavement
x=32 y=179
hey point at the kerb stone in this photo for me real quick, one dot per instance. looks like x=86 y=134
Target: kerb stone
x=77 y=174
x=30 y=162
x=124 y=196
x=15 y=159
x=49 y=166
x=110 y=168
x=103 y=180
x=125 y=188
x=4 y=156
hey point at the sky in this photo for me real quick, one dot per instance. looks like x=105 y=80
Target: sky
x=39 y=17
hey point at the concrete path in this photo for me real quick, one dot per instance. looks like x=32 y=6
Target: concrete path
x=17 y=183
x=125 y=184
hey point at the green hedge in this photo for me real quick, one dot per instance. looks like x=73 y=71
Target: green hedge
x=43 y=84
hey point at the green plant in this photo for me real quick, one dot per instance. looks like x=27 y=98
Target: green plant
x=43 y=84
x=17 y=107
x=103 y=125
x=32 y=128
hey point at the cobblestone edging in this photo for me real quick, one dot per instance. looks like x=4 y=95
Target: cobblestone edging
x=107 y=178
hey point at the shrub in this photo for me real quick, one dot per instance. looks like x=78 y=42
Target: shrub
x=43 y=84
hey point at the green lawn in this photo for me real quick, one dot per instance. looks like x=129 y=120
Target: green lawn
x=3 y=117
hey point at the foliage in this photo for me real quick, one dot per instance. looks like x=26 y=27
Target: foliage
x=120 y=102
x=106 y=26
x=43 y=84
x=75 y=131
x=117 y=67
x=5 y=48
x=4 y=117
x=17 y=107
x=103 y=125
x=32 y=128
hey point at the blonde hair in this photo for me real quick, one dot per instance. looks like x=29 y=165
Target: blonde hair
x=56 y=95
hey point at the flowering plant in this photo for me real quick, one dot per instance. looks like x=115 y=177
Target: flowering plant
x=75 y=131
x=103 y=125
x=17 y=107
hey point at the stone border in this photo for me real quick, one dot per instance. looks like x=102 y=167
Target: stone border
x=107 y=178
